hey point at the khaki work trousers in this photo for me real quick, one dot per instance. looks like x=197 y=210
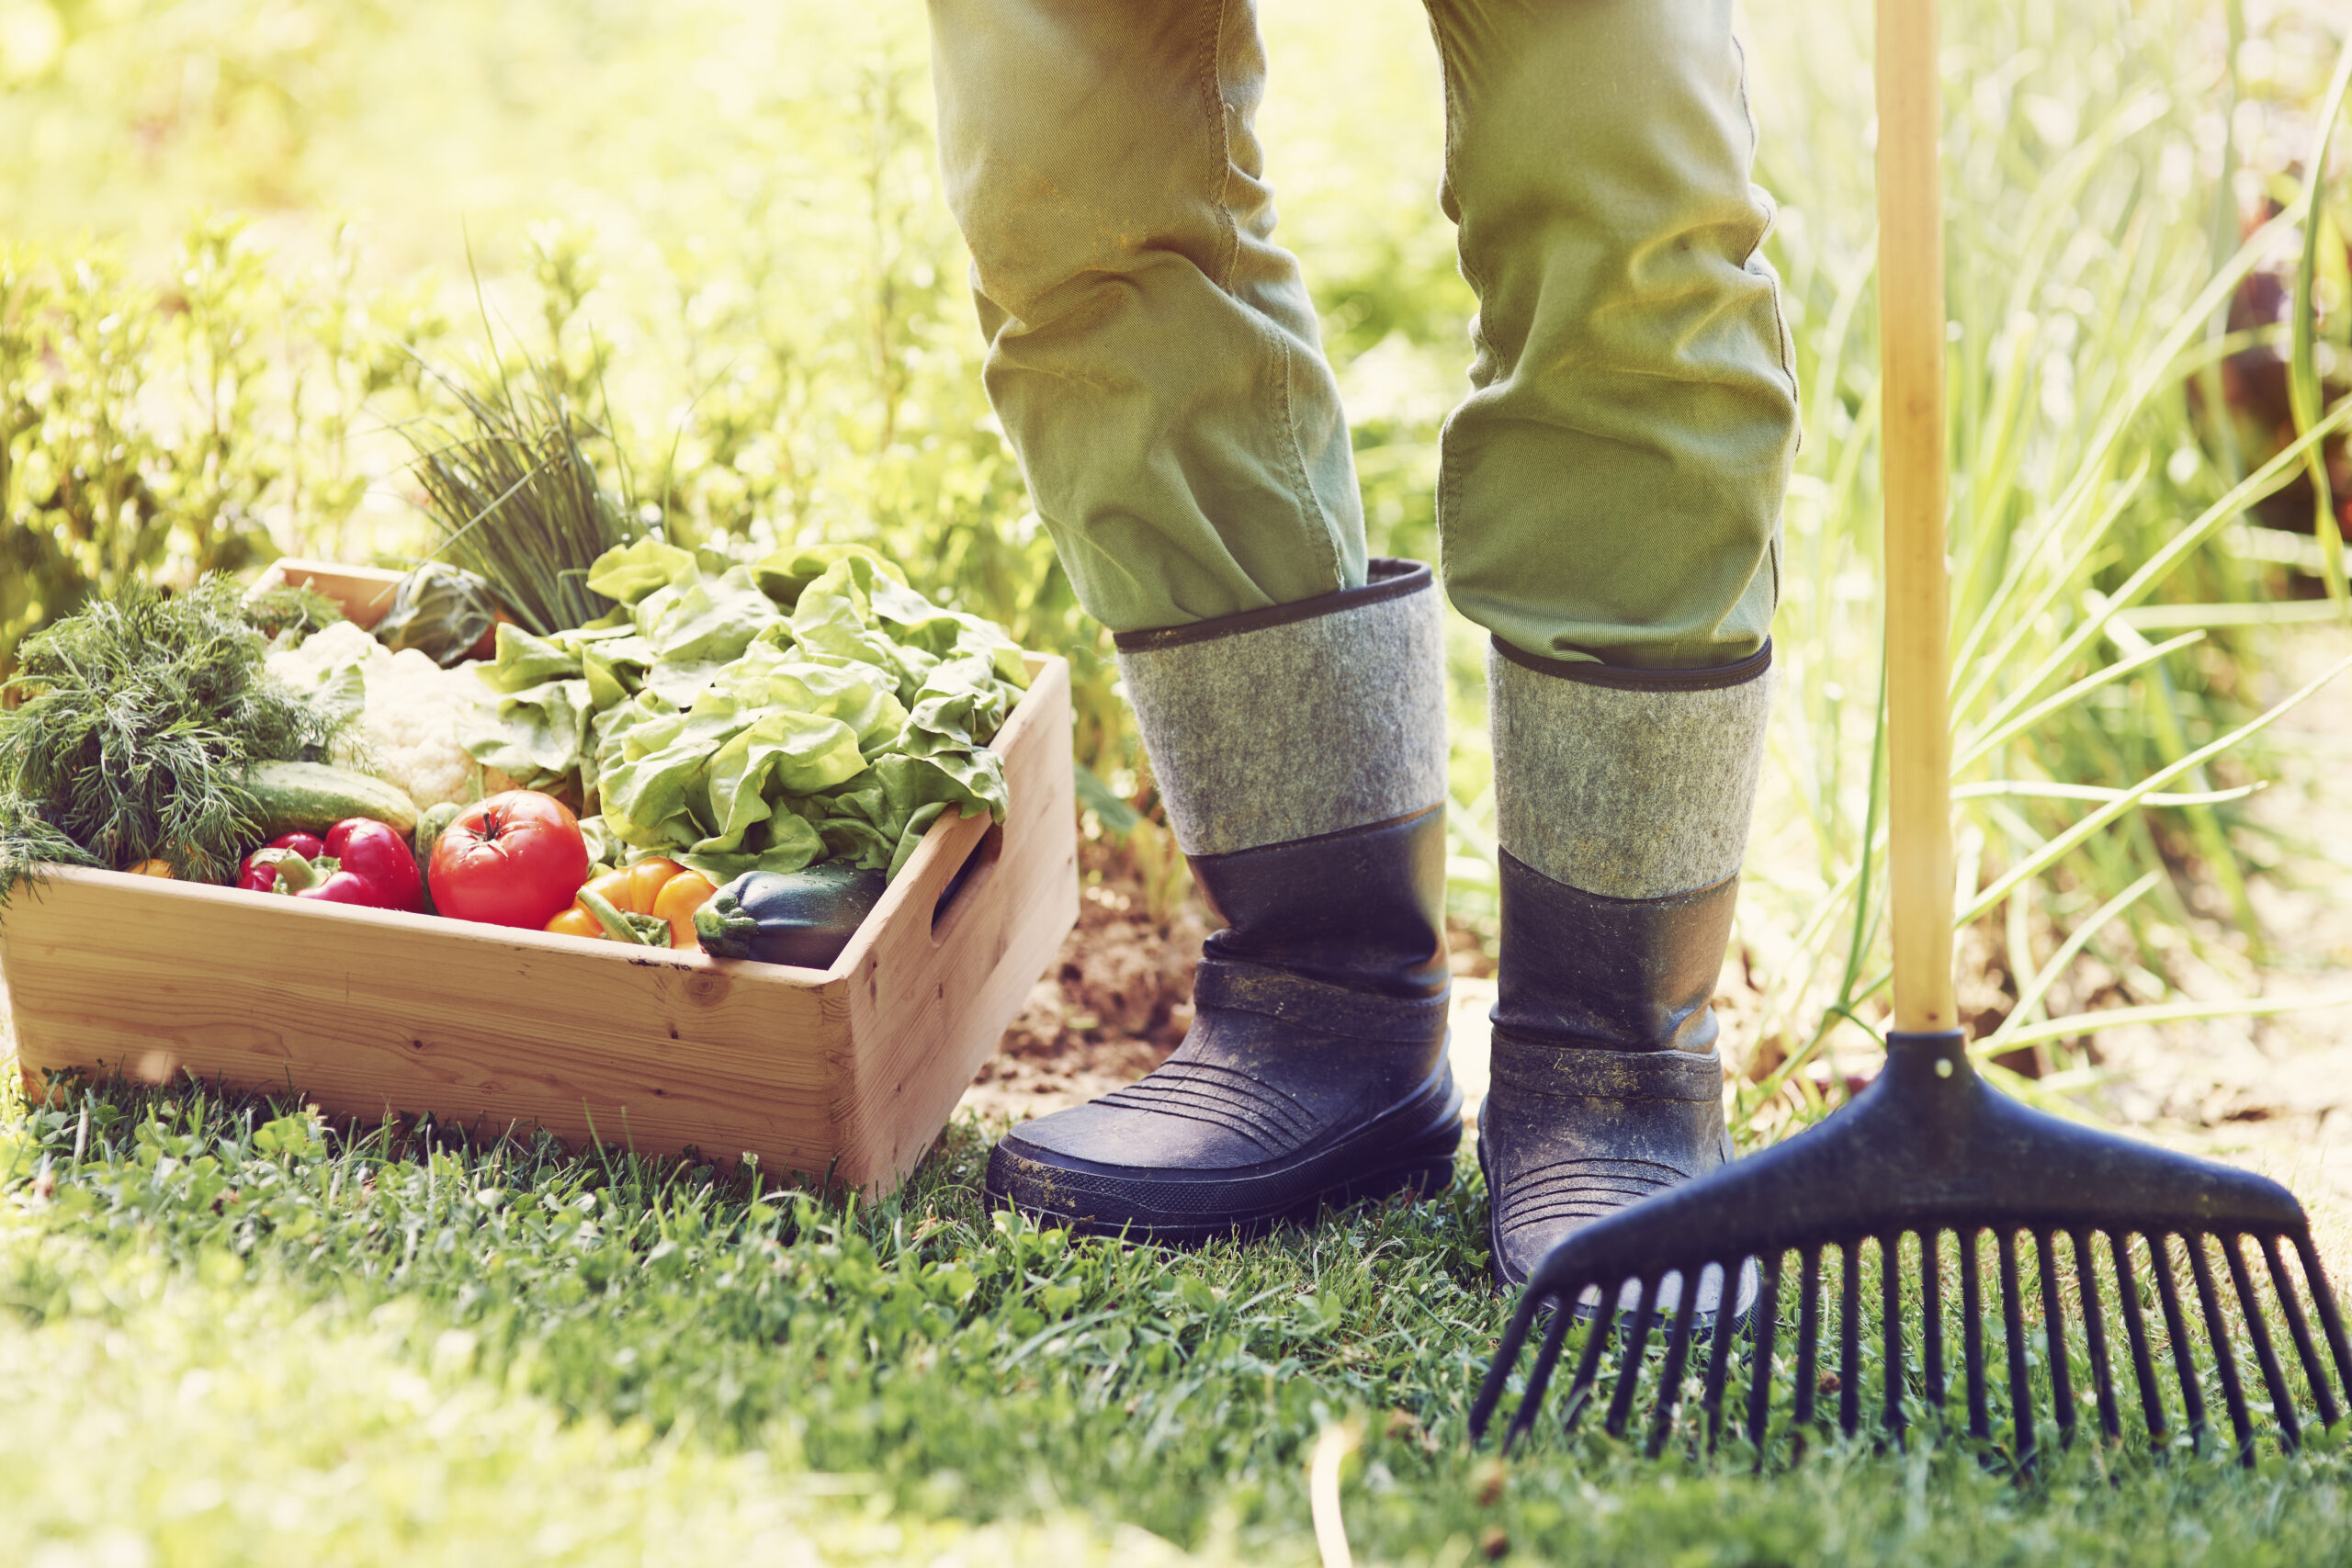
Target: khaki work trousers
x=1610 y=490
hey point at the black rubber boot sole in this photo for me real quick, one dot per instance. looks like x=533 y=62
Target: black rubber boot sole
x=1702 y=1324
x=1408 y=1148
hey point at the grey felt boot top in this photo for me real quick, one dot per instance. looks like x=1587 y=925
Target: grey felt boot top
x=1311 y=718
x=1627 y=783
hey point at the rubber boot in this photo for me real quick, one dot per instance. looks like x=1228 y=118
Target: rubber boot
x=1301 y=753
x=1623 y=802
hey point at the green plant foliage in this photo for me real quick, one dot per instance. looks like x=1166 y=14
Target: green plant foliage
x=2087 y=492
x=292 y=611
x=161 y=432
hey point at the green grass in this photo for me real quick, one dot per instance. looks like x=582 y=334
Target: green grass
x=231 y=1339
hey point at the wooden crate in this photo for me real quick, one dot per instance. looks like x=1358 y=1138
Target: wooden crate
x=848 y=1072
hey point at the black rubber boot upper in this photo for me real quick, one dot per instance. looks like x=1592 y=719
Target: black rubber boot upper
x=1623 y=798
x=1315 y=1071
x=1606 y=1085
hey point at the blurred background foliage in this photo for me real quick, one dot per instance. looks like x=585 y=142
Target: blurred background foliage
x=243 y=235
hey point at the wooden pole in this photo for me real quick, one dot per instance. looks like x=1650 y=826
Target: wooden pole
x=1911 y=367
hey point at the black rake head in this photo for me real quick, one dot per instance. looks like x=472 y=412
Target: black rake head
x=1930 y=1151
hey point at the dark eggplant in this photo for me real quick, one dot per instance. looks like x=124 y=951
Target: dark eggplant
x=803 y=918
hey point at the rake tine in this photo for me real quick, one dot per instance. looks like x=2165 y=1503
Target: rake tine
x=2013 y=1322
x=2192 y=1396
x=1931 y=1314
x=1890 y=1297
x=2054 y=1323
x=1514 y=1339
x=2225 y=1357
x=1678 y=1351
x=2282 y=1403
x=2300 y=1328
x=1849 y=1330
x=2111 y=1421
x=1604 y=1323
x=1628 y=1374
x=2331 y=1322
x=1759 y=1363
x=1971 y=1333
x=2136 y=1331
x=1539 y=1377
x=1711 y=1402
x=1808 y=1333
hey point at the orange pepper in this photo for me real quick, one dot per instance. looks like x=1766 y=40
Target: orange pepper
x=656 y=886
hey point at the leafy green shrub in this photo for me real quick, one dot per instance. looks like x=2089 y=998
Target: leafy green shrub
x=159 y=434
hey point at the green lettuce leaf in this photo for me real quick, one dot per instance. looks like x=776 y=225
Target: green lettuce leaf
x=784 y=574
x=525 y=661
x=631 y=571
x=537 y=736
x=806 y=706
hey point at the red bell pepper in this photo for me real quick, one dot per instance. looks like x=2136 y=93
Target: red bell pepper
x=360 y=861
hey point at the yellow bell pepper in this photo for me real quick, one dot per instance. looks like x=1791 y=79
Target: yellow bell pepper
x=659 y=887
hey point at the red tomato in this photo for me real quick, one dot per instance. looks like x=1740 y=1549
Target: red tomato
x=516 y=859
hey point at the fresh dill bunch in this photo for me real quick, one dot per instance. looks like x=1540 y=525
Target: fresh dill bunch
x=292 y=606
x=136 y=722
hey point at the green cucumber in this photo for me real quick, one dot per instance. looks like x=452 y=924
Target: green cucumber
x=312 y=796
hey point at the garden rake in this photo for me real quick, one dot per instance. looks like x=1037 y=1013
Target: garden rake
x=1928 y=1149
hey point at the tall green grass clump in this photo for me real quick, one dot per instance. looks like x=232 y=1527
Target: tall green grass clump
x=2095 y=244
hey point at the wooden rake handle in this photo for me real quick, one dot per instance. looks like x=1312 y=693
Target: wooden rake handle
x=1911 y=369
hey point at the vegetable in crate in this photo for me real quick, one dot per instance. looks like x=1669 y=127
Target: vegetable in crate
x=801 y=917
x=760 y=717
x=653 y=901
x=311 y=794
x=656 y=896
x=516 y=859
x=512 y=486
x=137 y=724
x=360 y=861
x=442 y=612
x=408 y=726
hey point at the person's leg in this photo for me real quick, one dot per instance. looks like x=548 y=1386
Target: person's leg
x=1610 y=489
x=1610 y=506
x=1152 y=353
x=1154 y=358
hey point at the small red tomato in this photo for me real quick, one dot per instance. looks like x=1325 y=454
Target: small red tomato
x=516 y=859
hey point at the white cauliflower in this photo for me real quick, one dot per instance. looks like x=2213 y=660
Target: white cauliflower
x=408 y=733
